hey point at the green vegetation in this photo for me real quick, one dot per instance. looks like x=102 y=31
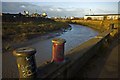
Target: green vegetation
x=20 y=32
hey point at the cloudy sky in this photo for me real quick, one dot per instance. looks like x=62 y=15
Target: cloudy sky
x=60 y=0
x=78 y=9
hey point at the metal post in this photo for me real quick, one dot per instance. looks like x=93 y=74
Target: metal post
x=58 y=50
x=111 y=26
x=26 y=62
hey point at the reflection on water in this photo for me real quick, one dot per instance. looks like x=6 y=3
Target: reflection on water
x=77 y=35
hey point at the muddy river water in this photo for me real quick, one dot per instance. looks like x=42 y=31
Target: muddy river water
x=74 y=37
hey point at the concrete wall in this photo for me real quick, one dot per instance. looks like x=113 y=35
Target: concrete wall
x=75 y=59
x=94 y=17
x=113 y=17
x=101 y=17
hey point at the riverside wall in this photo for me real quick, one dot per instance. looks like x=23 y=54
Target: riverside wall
x=77 y=57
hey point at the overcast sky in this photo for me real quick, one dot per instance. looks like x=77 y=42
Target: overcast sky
x=78 y=9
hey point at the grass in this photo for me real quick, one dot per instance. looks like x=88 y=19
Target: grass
x=97 y=25
x=19 y=32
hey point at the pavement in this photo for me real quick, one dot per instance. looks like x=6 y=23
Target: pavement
x=104 y=65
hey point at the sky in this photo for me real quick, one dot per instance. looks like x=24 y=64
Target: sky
x=62 y=9
x=60 y=0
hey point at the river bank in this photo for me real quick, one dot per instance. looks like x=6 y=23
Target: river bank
x=74 y=37
x=13 y=33
x=99 y=25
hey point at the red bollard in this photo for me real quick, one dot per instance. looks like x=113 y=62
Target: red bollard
x=58 y=50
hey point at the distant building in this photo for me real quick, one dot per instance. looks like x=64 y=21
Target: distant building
x=72 y=17
x=102 y=17
x=44 y=14
x=35 y=15
x=113 y=16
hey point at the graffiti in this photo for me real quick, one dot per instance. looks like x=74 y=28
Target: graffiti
x=29 y=59
x=29 y=68
x=26 y=70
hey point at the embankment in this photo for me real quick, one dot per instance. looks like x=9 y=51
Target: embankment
x=17 y=32
x=99 y=25
x=78 y=56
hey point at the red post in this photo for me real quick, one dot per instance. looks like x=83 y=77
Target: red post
x=58 y=50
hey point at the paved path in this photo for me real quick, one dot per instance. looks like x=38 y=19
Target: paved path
x=102 y=65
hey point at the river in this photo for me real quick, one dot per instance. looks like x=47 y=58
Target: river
x=74 y=37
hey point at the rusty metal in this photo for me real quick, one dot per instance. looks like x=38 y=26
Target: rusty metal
x=26 y=62
x=58 y=50
x=112 y=26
